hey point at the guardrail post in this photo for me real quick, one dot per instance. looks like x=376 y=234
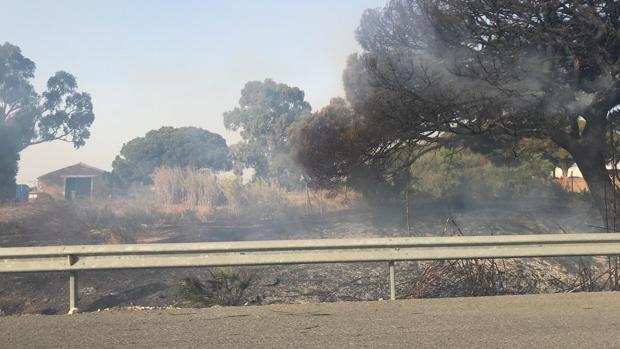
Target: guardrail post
x=73 y=292
x=392 y=281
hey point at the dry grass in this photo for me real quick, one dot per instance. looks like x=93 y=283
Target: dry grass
x=187 y=189
x=490 y=277
x=176 y=186
x=258 y=200
x=323 y=201
x=180 y=197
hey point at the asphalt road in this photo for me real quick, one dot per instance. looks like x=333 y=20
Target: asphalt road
x=537 y=321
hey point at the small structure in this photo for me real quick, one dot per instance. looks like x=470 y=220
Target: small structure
x=79 y=181
x=570 y=179
x=21 y=193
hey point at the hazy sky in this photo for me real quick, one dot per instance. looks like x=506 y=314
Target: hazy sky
x=149 y=64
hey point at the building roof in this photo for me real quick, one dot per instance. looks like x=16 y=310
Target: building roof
x=77 y=170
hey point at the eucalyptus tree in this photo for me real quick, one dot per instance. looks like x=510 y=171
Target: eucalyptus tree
x=60 y=113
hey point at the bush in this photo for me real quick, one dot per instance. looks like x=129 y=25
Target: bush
x=258 y=199
x=445 y=174
x=233 y=192
x=265 y=200
x=227 y=286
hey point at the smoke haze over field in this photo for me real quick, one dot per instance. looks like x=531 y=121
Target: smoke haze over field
x=151 y=64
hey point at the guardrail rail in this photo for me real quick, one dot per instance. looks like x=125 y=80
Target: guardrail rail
x=73 y=259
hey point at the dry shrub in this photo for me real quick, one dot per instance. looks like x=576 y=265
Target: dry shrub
x=488 y=277
x=469 y=277
x=266 y=200
x=75 y=222
x=42 y=223
x=323 y=201
x=255 y=200
x=477 y=277
x=188 y=189
x=591 y=278
x=233 y=191
x=119 y=220
x=174 y=186
x=116 y=213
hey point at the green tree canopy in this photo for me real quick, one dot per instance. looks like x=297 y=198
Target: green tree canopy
x=264 y=116
x=450 y=173
x=27 y=117
x=171 y=147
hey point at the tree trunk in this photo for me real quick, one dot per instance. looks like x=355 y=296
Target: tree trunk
x=592 y=165
x=605 y=194
x=407 y=211
x=308 y=202
x=564 y=166
x=9 y=157
x=7 y=188
x=8 y=170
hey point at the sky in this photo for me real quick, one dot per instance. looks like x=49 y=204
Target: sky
x=149 y=64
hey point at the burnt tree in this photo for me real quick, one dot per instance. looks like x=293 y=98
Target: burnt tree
x=435 y=70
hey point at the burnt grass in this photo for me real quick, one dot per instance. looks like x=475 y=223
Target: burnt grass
x=46 y=293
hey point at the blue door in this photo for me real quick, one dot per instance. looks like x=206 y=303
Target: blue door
x=78 y=187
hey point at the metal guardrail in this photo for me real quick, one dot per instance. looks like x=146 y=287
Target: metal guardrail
x=145 y=256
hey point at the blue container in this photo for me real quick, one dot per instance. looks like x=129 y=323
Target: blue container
x=21 y=193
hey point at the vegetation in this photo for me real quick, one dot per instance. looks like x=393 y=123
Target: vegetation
x=262 y=200
x=188 y=187
x=447 y=100
x=9 y=156
x=28 y=118
x=463 y=173
x=170 y=147
x=226 y=286
x=321 y=141
x=201 y=188
x=432 y=71
x=264 y=116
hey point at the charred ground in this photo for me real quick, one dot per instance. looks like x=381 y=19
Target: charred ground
x=55 y=223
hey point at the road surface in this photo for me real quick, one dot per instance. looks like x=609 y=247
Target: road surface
x=534 y=321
